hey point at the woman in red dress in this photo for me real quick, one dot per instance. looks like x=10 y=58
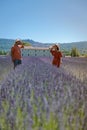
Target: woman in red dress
x=57 y=54
x=16 y=53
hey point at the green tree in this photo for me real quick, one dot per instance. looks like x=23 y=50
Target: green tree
x=2 y=52
x=75 y=52
x=26 y=44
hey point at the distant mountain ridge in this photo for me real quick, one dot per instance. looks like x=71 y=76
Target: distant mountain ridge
x=81 y=46
x=6 y=44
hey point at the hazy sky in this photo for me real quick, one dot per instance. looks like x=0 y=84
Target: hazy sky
x=44 y=20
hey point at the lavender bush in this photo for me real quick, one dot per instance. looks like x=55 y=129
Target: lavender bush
x=39 y=96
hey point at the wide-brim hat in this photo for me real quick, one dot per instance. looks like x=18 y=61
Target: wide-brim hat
x=18 y=42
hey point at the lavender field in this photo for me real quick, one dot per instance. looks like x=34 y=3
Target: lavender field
x=39 y=96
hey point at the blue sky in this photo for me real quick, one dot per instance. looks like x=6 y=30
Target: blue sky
x=45 y=21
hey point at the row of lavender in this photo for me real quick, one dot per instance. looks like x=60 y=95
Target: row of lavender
x=77 y=66
x=39 y=96
x=5 y=66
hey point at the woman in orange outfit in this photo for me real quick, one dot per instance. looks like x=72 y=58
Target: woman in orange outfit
x=16 y=53
x=57 y=55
